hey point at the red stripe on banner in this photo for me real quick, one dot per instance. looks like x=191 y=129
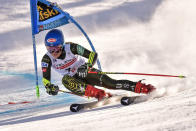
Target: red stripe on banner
x=11 y=103
x=23 y=102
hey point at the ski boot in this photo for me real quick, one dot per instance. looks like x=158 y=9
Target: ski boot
x=143 y=88
x=97 y=93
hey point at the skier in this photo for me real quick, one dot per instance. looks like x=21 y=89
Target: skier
x=68 y=60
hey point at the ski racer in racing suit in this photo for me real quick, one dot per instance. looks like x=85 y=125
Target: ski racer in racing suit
x=68 y=60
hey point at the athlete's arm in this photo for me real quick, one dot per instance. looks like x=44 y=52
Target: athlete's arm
x=80 y=50
x=46 y=69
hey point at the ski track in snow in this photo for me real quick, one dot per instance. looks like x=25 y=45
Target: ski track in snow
x=151 y=36
x=158 y=114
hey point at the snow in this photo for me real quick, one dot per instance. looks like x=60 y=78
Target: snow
x=147 y=36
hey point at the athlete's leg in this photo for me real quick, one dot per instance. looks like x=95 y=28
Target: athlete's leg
x=79 y=87
x=107 y=82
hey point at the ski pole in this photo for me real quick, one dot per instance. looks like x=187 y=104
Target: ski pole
x=178 y=76
x=65 y=91
x=69 y=92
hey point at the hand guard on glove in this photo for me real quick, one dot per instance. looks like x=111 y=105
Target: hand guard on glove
x=83 y=70
x=52 y=89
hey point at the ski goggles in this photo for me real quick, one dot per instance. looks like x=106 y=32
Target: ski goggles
x=55 y=49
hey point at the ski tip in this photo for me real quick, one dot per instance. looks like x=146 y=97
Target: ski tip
x=125 y=101
x=75 y=107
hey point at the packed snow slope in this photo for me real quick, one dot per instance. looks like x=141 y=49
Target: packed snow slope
x=147 y=36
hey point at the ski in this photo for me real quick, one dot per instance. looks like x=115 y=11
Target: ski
x=123 y=99
x=127 y=100
x=94 y=104
x=78 y=107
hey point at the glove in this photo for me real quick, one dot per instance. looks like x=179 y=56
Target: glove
x=52 y=89
x=83 y=70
